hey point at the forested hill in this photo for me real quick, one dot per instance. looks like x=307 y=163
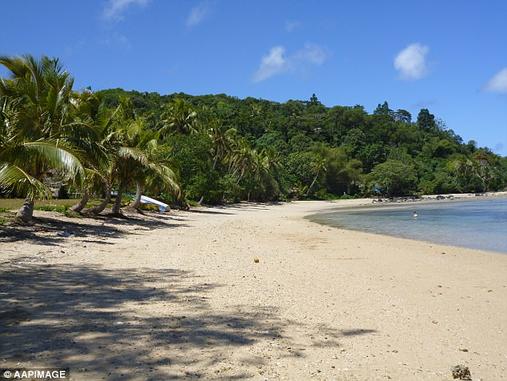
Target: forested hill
x=225 y=149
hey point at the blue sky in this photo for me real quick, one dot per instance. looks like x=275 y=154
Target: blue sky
x=449 y=56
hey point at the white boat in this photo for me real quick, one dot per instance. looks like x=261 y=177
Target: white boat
x=148 y=200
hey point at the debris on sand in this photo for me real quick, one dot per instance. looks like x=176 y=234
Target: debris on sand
x=461 y=372
x=256 y=260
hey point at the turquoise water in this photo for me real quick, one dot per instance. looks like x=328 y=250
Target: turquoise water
x=477 y=224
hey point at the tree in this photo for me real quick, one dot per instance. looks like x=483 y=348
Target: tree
x=293 y=129
x=465 y=171
x=341 y=173
x=318 y=168
x=36 y=126
x=223 y=139
x=402 y=116
x=383 y=109
x=92 y=120
x=134 y=161
x=179 y=117
x=303 y=169
x=426 y=120
x=393 y=178
x=156 y=174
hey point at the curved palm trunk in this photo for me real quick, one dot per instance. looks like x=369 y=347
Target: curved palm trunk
x=99 y=208
x=25 y=213
x=82 y=203
x=137 y=201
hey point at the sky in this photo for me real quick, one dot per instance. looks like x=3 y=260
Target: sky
x=448 y=56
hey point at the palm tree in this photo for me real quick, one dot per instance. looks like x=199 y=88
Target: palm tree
x=108 y=125
x=241 y=159
x=319 y=167
x=89 y=111
x=154 y=175
x=264 y=173
x=223 y=139
x=135 y=159
x=256 y=169
x=179 y=117
x=35 y=123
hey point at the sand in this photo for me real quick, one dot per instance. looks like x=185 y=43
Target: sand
x=181 y=296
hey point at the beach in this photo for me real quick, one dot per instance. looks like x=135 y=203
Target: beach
x=246 y=291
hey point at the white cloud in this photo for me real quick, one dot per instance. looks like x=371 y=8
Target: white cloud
x=411 y=61
x=278 y=62
x=273 y=63
x=197 y=14
x=292 y=25
x=311 y=53
x=498 y=83
x=114 y=9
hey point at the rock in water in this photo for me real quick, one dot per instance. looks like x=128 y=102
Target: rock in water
x=461 y=372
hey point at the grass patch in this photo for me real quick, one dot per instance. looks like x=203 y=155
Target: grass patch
x=15 y=203
x=62 y=209
x=6 y=216
x=62 y=206
x=52 y=208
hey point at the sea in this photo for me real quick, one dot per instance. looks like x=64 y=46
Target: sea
x=476 y=224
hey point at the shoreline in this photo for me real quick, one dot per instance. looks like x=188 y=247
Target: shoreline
x=363 y=206
x=181 y=296
x=368 y=203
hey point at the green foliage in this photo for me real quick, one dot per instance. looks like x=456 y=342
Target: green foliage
x=392 y=178
x=218 y=149
x=322 y=152
x=62 y=209
x=35 y=125
x=52 y=208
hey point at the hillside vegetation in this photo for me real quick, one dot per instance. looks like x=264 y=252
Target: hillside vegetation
x=227 y=149
x=216 y=148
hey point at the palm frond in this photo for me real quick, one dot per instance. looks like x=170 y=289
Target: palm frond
x=58 y=156
x=165 y=175
x=15 y=179
x=133 y=153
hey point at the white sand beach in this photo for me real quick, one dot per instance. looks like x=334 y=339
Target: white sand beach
x=181 y=296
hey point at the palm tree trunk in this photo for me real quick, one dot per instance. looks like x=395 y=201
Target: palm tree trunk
x=25 y=213
x=99 y=208
x=313 y=182
x=82 y=203
x=117 y=201
x=139 y=192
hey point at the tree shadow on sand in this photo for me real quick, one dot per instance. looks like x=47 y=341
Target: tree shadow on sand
x=126 y=324
x=53 y=230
